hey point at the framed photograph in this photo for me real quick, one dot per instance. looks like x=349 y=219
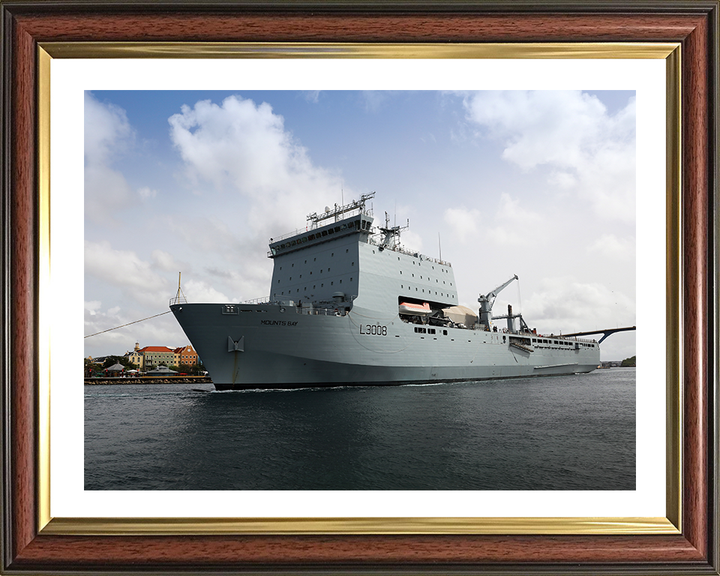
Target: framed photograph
x=56 y=520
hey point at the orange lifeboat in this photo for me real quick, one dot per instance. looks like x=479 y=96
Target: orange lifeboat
x=415 y=309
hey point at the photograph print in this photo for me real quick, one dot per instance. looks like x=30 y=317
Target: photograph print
x=359 y=290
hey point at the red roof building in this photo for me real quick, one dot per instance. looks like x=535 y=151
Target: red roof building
x=157 y=356
x=186 y=355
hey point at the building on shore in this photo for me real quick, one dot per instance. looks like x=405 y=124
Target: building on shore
x=186 y=355
x=151 y=356
x=136 y=358
x=156 y=356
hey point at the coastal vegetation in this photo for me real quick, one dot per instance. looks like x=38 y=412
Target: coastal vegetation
x=628 y=362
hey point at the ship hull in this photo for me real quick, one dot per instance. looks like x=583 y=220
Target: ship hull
x=285 y=346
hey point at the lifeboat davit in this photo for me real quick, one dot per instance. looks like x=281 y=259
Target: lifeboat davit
x=415 y=309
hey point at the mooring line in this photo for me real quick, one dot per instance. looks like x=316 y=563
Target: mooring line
x=128 y=324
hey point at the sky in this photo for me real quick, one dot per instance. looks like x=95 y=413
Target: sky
x=535 y=183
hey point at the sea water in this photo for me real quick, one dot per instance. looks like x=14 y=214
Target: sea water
x=554 y=433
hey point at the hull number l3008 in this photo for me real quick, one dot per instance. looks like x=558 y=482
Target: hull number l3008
x=373 y=329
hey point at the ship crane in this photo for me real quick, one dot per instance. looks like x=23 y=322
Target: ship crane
x=487 y=301
x=510 y=320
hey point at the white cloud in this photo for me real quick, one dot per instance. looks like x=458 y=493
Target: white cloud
x=106 y=193
x=612 y=247
x=127 y=271
x=564 y=180
x=243 y=147
x=165 y=261
x=201 y=291
x=513 y=213
x=568 y=305
x=412 y=241
x=146 y=193
x=374 y=100
x=108 y=135
x=92 y=307
x=572 y=134
x=107 y=130
x=463 y=222
x=512 y=223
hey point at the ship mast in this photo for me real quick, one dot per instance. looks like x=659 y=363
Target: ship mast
x=391 y=236
x=338 y=211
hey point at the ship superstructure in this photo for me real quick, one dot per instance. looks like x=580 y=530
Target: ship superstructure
x=348 y=305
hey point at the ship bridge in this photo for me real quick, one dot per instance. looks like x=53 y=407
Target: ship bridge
x=321 y=263
x=359 y=222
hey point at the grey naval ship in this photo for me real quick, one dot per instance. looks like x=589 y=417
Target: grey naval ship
x=349 y=305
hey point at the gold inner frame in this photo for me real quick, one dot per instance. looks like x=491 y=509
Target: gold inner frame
x=671 y=524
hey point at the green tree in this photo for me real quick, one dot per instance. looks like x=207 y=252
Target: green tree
x=92 y=368
x=112 y=360
x=628 y=362
x=192 y=369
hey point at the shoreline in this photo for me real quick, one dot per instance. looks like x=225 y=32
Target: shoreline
x=114 y=381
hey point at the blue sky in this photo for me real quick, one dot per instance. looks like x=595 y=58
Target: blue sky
x=539 y=184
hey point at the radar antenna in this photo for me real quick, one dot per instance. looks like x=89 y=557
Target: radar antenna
x=338 y=211
x=391 y=235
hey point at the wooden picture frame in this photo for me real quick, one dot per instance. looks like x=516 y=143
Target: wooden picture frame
x=31 y=546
